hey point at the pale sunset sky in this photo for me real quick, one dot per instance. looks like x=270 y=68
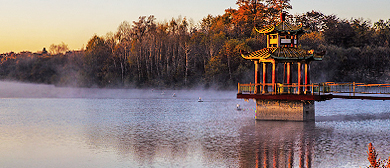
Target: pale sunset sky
x=31 y=25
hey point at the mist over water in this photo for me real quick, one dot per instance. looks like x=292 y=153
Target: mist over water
x=27 y=90
x=47 y=126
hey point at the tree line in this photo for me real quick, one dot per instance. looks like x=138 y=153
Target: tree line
x=182 y=54
x=356 y=49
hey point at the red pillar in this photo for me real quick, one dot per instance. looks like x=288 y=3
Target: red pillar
x=274 y=75
x=299 y=77
x=307 y=76
x=289 y=73
x=257 y=77
x=289 y=76
x=265 y=89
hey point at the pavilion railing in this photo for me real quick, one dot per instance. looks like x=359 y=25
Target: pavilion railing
x=315 y=88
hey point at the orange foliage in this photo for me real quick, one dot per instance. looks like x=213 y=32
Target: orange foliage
x=374 y=161
x=252 y=13
x=372 y=156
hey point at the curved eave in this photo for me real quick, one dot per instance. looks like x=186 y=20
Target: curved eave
x=262 y=54
x=285 y=54
x=282 y=27
x=308 y=57
x=317 y=57
x=266 y=30
x=285 y=27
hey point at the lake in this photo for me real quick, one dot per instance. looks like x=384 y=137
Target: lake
x=46 y=126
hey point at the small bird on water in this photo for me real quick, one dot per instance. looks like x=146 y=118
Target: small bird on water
x=200 y=100
x=238 y=107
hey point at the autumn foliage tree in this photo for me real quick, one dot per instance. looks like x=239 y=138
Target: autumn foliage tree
x=96 y=63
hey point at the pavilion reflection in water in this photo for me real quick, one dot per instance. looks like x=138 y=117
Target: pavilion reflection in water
x=278 y=144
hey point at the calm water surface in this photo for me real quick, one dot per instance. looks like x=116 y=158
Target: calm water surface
x=45 y=126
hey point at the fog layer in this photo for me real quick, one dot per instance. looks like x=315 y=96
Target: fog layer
x=27 y=90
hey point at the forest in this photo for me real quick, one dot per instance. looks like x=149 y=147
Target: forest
x=180 y=54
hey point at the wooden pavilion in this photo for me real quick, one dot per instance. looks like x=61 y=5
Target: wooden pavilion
x=282 y=47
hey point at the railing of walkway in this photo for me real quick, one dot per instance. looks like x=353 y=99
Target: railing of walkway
x=315 y=88
x=361 y=88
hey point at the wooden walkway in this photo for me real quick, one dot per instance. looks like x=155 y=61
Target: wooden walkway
x=316 y=92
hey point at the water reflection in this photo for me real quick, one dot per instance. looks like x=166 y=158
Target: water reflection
x=260 y=144
x=277 y=144
x=147 y=144
x=354 y=117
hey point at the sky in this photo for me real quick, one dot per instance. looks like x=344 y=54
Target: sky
x=31 y=25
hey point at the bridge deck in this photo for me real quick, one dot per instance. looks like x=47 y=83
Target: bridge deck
x=293 y=97
x=283 y=97
x=357 y=97
x=316 y=92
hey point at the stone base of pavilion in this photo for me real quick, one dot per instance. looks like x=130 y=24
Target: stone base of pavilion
x=282 y=110
x=284 y=107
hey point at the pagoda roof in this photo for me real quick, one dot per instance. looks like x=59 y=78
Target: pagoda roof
x=284 y=53
x=281 y=27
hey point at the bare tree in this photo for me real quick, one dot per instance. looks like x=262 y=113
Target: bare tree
x=58 y=49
